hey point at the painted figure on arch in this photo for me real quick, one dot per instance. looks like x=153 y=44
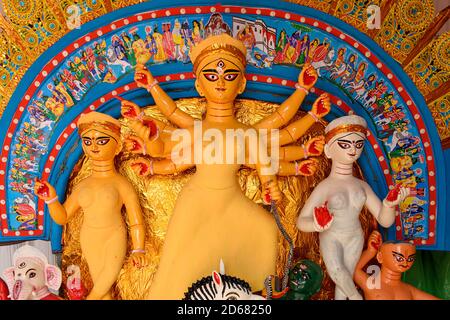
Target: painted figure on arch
x=150 y=43
x=338 y=67
x=103 y=234
x=334 y=206
x=279 y=49
x=247 y=37
x=128 y=45
x=213 y=193
x=197 y=31
x=168 y=42
x=160 y=55
x=216 y=26
x=26 y=212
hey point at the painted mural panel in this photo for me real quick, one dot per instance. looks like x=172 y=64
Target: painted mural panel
x=271 y=42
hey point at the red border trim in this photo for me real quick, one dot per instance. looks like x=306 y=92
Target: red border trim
x=234 y=10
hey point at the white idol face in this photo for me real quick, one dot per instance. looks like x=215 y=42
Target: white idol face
x=345 y=147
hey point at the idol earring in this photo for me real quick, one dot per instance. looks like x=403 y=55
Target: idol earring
x=200 y=92
x=243 y=85
x=326 y=151
x=119 y=149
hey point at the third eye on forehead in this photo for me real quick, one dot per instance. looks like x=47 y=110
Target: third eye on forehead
x=222 y=64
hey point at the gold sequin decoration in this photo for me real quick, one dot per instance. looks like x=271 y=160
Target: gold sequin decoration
x=355 y=12
x=117 y=4
x=415 y=15
x=89 y=10
x=440 y=111
x=22 y=12
x=24 y=18
x=322 y=5
x=404 y=26
x=441 y=52
x=430 y=68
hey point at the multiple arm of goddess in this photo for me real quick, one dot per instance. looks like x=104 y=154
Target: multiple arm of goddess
x=160 y=145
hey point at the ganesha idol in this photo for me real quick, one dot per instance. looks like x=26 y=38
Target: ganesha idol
x=31 y=277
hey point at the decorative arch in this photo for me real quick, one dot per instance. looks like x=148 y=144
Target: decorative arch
x=34 y=114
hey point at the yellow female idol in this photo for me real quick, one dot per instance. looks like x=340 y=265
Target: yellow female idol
x=103 y=234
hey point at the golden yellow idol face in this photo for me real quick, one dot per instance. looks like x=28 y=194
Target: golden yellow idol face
x=99 y=145
x=220 y=81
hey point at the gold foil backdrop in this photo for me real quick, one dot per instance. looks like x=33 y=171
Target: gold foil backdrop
x=159 y=193
x=322 y=5
x=440 y=111
x=355 y=12
x=430 y=69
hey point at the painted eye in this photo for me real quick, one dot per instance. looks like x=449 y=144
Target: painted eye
x=399 y=259
x=411 y=259
x=232 y=298
x=230 y=76
x=32 y=275
x=360 y=145
x=211 y=76
x=344 y=145
x=87 y=142
x=102 y=142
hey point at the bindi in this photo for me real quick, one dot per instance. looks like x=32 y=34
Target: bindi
x=220 y=66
